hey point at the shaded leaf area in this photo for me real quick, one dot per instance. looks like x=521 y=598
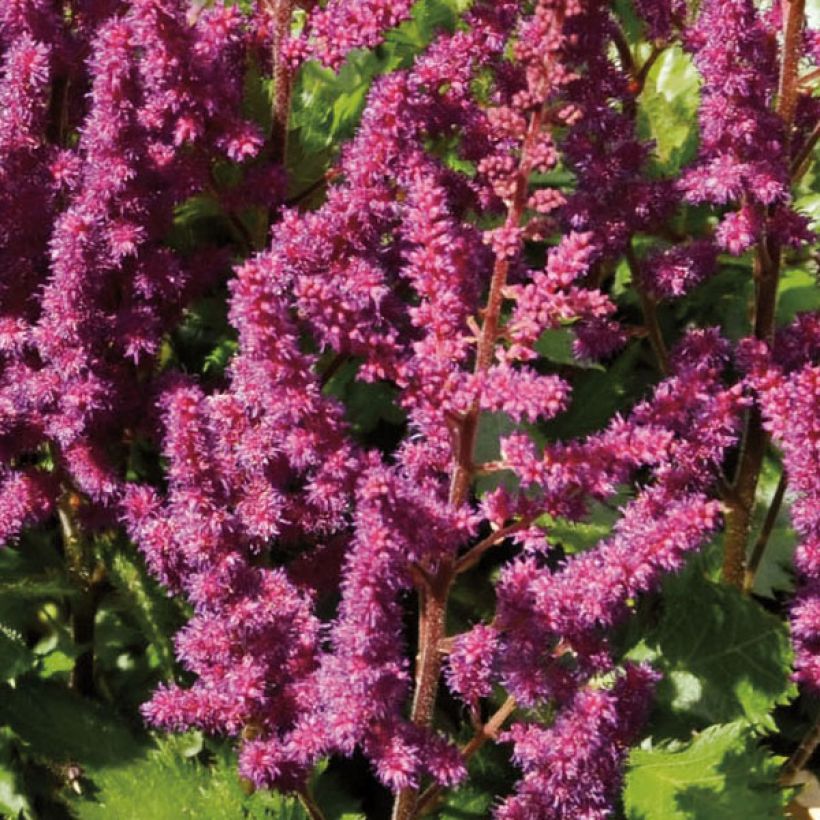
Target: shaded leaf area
x=723 y=657
x=31 y=575
x=371 y=409
x=490 y=777
x=52 y=741
x=15 y=657
x=327 y=106
x=597 y=395
x=59 y=725
x=775 y=576
x=721 y=774
x=555 y=346
x=99 y=766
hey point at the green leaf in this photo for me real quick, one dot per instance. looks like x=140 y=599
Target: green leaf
x=219 y=358
x=58 y=725
x=29 y=576
x=13 y=803
x=366 y=403
x=198 y=220
x=556 y=346
x=723 y=300
x=810 y=205
x=47 y=585
x=13 y=800
x=629 y=20
x=15 y=657
x=667 y=111
x=797 y=292
x=327 y=106
x=465 y=803
x=723 y=656
x=167 y=783
x=330 y=792
x=597 y=395
x=155 y=613
x=492 y=427
x=722 y=774
x=577 y=536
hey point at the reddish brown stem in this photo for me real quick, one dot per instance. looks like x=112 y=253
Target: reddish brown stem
x=792 y=50
x=332 y=369
x=656 y=52
x=801 y=756
x=89 y=581
x=310 y=805
x=767 y=275
x=802 y=158
x=624 y=51
x=280 y=11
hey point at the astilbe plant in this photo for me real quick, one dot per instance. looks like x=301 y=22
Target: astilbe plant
x=440 y=258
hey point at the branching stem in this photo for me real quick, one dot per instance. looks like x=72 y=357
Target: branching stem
x=802 y=158
x=433 y=599
x=473 y=556
x=487 y=731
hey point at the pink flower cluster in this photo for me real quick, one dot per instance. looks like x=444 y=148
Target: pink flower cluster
x=104 y=131
x=742 y=153
x=787 y=383
x=336 y=28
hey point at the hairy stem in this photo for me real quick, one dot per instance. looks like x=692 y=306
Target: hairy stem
x=767 y=275
x=280 y=11
x=792 y=50
x=765 y=533
x=740 y=504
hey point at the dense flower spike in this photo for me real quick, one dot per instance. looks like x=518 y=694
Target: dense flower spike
x=572 y=768
x=89 y=287
x=788 y=388
x=338 y=27
x=743 y=157
x=471 y=227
